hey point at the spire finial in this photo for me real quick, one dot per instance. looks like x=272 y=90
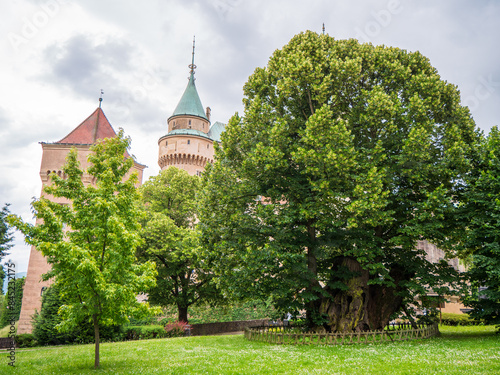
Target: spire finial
x=192 y=66
x=100 y=98
x=323 y=28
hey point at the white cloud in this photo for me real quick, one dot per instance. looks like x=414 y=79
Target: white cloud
x=138 y=53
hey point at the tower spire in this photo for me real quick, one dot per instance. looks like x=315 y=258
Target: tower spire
x=100 y=98
x=192 y=66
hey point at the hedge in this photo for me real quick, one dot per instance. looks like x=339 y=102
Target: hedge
x=450 y=319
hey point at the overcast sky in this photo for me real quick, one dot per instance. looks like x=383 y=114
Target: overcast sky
x=56 y=56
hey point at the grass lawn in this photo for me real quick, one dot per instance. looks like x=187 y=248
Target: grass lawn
x=459 y=350
x=4 y=332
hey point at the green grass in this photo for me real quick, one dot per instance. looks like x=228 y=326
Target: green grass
x=4 y=332
x=459 y=350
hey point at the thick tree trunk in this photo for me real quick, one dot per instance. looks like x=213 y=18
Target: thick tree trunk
x=346 y=309
x=382 y=303
x=384 y=300
x=360 y=306
x=96 y=339
x=182 y=315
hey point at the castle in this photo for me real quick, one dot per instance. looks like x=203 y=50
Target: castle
x=188 y=145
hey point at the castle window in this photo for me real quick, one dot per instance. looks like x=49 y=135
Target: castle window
x=189 y=122
x=208 y=146
x=189 y=142
x=166 y=143
x=44 y=288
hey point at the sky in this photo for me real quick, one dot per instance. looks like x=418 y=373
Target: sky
x=57 y=55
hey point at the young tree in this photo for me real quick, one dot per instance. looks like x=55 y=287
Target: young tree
x=91 y=241
x=346 y=155
x=482 y=220
x=172 y=242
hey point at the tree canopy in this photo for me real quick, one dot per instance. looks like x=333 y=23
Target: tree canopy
x=172 y=241
x=481 y=212
x=346 y=155
x=5 y=234
x=91 y=240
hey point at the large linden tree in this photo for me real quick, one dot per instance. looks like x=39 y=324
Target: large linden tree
x=346 y=155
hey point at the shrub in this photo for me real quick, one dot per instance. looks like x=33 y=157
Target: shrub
x=26 y=340
x=176 y=329
x=236 y=311
x=16 y=286
x=44 y=323
x=451 y=319
x=144 y=332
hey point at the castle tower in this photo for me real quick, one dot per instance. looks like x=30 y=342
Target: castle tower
x=188 y=144
x=95 y=127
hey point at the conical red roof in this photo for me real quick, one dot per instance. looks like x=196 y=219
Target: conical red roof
x=95 y=127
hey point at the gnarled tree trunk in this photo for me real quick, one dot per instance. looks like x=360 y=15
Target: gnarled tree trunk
x=346 y=309
x=359 y=307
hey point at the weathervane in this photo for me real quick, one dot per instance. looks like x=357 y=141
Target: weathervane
x=192 y=66
x=100 y=98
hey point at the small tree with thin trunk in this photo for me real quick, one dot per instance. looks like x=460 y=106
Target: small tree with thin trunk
x=91 y=241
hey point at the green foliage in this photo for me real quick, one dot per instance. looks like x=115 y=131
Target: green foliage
x=90 y=240
x=5 y=234
x=26 y=340
x=144 y=332
x=347 y=154
x=2 y=278
x=13 y=298
x=204 y=313
x=170 y=240
x=46 y=325
x=451 y=319
x=481 y=214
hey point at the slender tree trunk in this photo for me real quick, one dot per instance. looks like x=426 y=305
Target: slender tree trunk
x=182 y=313
x=96 y=339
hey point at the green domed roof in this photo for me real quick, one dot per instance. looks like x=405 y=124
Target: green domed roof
x=190 y=103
